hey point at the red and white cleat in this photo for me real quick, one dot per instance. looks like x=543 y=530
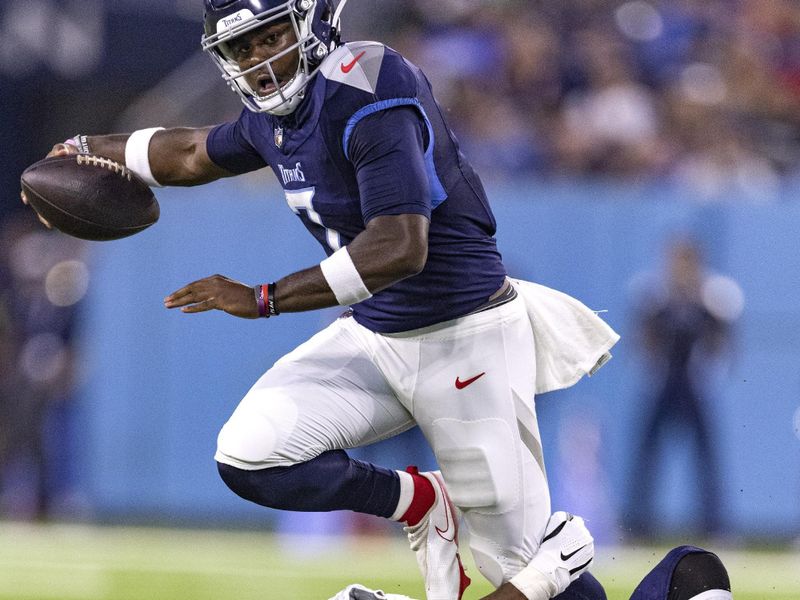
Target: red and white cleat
x=434 y=540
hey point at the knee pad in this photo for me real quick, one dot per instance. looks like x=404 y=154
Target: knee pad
x=246 y=443
x=479 y=463
x=256 y=433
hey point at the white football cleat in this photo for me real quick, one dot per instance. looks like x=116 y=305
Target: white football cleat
x=434 y=540
x=359 y=592
x=566 y=551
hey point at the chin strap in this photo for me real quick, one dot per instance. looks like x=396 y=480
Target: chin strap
x=337 y=14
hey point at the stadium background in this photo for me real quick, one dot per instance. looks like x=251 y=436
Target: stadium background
x=601 y=129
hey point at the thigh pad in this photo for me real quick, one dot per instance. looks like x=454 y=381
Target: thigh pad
x=479 y=462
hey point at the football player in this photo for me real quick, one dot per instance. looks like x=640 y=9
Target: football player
x=685 y=573
x=438 y=336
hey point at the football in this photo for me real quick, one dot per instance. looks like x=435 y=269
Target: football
x=90 y=197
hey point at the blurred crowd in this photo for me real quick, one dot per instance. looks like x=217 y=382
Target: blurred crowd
x=704 y=93
x=700 y=92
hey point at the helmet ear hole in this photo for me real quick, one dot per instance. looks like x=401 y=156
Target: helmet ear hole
x=225 y=51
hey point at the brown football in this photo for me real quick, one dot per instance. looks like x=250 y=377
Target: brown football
x=90 y=197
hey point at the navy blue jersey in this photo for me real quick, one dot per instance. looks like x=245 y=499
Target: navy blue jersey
x=325 y=156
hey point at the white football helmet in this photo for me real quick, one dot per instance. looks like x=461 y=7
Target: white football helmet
x=316 y=26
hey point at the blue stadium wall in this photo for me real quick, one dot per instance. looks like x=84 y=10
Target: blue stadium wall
x=158 y=384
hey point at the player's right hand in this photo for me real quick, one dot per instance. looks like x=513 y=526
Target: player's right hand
x=58 y=150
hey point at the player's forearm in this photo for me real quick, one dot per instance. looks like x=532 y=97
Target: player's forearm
x=110 y=146
x=304 y=290
x=309 y=290
x=177 y=156
x=391 y=249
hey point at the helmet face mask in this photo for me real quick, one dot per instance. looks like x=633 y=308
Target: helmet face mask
x=315 y=37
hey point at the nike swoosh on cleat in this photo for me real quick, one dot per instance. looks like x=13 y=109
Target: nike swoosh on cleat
x=346 y=68
x=450 y=523
x=460 y=385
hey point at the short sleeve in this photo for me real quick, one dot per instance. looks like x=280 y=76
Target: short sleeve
x=387 y=150
x=228 y=146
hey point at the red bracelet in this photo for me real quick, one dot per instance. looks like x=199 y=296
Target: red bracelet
x=265 y=299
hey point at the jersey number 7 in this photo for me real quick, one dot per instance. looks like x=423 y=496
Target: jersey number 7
x=304 y=200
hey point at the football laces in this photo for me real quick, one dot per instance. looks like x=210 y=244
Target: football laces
x=105 y=163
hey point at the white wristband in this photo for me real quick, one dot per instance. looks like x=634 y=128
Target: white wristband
x=136 y=154
x=341 y=274
x=533 y=584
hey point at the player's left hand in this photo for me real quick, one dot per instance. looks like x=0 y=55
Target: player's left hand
x=43 y=221
x=215 y=293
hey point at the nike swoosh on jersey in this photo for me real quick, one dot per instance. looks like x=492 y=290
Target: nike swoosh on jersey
x=460 y=385
x=346 y=68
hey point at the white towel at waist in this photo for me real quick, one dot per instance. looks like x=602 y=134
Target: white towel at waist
x=570 y=339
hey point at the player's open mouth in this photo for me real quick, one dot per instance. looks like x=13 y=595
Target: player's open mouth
x=265 y=85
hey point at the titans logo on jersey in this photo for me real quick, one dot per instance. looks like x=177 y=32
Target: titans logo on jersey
x=324 y=153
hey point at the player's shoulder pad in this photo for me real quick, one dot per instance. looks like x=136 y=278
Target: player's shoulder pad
x=370 y=67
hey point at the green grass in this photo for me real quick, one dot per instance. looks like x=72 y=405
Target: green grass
x=67 y=562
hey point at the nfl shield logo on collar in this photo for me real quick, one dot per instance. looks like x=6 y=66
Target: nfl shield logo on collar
x=279 y=136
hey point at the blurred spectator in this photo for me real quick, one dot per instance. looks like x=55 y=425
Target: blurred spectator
x=42 y=278
x=702 y=92
x=610 y=124
x=685 y=325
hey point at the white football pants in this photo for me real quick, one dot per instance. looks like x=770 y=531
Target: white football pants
x=468 y=383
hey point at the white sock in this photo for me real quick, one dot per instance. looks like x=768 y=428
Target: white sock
x=406 y=495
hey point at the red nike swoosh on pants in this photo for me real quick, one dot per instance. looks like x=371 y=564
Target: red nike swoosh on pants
x=460 y=385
